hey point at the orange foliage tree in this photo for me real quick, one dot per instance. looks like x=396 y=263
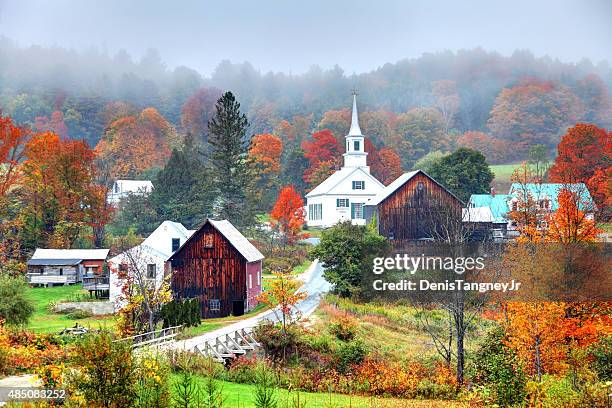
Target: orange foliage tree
x=391 y=165
x=12 y=141
x=533 y=112
x=584 y=151
x=53 y=124
x=133 y=144
x=569 y=223
x=265 y=159
x=323 y=154
x=59 y=192
x=495 y=150
x=288 y=215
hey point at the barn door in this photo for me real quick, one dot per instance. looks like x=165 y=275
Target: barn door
x=238 y=308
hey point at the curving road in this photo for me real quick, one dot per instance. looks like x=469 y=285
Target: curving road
x=314 y=284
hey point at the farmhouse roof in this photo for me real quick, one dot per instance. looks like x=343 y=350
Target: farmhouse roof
x=54 y=262
x=397 y=183
x=497 y=204
x=83 y=254
x=235 y=238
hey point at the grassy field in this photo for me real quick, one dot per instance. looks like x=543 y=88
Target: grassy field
x=394 y=331
x=45 y=321
x=241 y=396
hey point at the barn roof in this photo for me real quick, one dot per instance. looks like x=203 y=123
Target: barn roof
x=54 y=262
x=235 y=238
x=397 y=183
x=84 y=254
x=239 y=241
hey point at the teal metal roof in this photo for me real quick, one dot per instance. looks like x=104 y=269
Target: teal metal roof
x=551 y=191
x=498 y=204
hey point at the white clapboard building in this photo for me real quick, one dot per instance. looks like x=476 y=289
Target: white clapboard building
x=148 y=258
x=342 y=195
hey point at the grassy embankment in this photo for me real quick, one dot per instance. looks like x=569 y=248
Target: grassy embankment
x=242 y=396
x=395 y=331
x=45 y=321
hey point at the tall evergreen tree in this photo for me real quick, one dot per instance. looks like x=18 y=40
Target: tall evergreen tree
x=182 y=187
x=230 y=169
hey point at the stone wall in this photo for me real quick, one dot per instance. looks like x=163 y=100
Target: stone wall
x=95 y=308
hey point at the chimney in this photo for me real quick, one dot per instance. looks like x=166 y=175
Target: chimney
x=492 y=191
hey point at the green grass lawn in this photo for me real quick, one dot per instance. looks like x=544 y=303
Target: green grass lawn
x=45 y=321
x=242 y=396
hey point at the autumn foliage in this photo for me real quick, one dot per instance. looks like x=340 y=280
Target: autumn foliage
x=585 y=155
x=12 y=141
x=126 y=158
x=288 y=215
x=265 y=151
x=323 y=154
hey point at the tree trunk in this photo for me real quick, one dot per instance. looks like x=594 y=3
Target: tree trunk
x=538 y=359
x=460 y=328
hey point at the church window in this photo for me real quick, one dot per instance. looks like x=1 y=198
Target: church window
x=356 y=145
x=342 y=202
x=315 y=212
x=357 y=211
x=359 y=185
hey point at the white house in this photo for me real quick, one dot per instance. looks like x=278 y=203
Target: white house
x=342 y=195
x=123 y=188
x=150 y=256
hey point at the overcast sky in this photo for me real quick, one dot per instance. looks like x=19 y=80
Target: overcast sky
x=292 y=35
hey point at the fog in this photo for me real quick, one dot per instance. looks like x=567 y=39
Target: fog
x=291 y=36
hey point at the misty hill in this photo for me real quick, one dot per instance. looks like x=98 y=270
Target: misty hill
x=36 y=81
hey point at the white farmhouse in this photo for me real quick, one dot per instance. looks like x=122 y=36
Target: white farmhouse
x=150 y=257
x=123 y=188
x=342 y=195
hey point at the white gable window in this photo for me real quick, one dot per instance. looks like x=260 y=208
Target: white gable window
x=357 y=211
x=315 y=212
x=176 y=243
x=356 y=145
x=359 y=185
x=250 y=281
x=342 y=202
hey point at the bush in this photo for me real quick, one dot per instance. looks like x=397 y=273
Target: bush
x=15 y=308
x=105 y=371
x=184 y=312
x=602 y=363
x=428 y=389
x=79 y=314
x=349 y=354
x=4 y=359
x=243 y=370
x=344 y=327
x=496 y=366
x=152 y=388
x=277 y=345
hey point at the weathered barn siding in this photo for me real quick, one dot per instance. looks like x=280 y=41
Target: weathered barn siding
x=253 y=283
x=210 y=268
x=411 y=213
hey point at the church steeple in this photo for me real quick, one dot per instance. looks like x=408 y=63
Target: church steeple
x=355 y=130
x=355 y=155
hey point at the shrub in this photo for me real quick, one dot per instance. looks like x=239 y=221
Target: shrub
x=105 y=371
x=496 y=366
x=4 y=359
x=349 y=354
x=344 y=327
x=181 y=312
x=243 y=370
x=15 y=308
x=429 y=389
x=602 y=363
x=79 y=314
x=265 y=391
x=152 y=388
x=277 y=345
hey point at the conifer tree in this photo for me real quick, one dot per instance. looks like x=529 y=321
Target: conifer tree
x=230 y=170
x=182 y=187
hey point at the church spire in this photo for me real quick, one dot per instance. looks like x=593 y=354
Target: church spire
x=355 y=130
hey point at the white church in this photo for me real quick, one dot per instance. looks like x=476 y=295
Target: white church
x=342 y=195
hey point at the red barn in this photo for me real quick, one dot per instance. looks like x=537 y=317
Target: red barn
x=218 y=265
